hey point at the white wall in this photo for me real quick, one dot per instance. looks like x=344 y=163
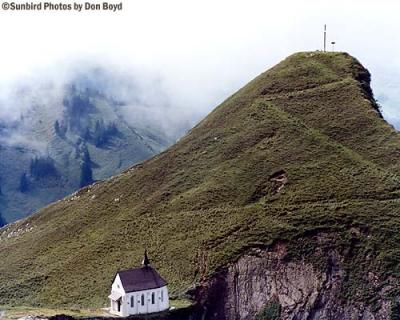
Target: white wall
x=148 y=307
x=161 y=302
x=117 y=287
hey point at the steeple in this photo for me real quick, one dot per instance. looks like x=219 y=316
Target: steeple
x=145 y=261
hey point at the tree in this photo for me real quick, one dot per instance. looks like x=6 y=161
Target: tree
x=99 y=131
x=87 y=136
x=23 y=183
x=2 y=221
x=103 y=133
x=112 y=128
x=60 y=128
x=57 y=128
x=86 y=170
x=41 y=167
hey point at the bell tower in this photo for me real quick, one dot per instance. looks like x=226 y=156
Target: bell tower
x=145 y=261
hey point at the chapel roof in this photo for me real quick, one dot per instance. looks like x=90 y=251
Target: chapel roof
x=139 y=279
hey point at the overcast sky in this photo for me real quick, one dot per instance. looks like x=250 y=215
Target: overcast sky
x=205 y=50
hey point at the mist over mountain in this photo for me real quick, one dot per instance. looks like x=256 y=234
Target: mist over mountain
x=386 y=85
x=60 y=131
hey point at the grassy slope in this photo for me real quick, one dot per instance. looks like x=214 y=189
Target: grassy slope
x=198 y=205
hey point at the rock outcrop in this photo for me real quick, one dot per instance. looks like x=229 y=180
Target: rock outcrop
x=265 y=279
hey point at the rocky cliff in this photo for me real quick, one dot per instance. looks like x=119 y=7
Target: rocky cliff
x=269 y=283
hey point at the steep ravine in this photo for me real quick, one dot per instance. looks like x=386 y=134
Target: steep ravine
x=269 y=280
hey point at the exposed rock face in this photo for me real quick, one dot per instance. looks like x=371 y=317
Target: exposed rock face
x=302 y=290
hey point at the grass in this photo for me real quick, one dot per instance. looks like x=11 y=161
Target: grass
x=180 y=303
x=17 y=312
x=203 y=202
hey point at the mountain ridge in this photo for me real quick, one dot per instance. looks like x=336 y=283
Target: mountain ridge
x=259 y=169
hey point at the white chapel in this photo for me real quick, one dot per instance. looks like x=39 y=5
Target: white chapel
x=138 y=291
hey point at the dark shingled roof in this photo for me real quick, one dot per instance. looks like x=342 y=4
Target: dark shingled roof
x=141 y=279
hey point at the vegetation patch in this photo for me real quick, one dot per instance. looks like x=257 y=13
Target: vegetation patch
x=271 y=311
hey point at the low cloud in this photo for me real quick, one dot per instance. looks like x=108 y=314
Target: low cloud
x=17 y=139
x=189 y=56
x=141 y=96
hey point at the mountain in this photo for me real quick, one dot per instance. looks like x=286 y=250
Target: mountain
x=70 y=135
x=284 y=199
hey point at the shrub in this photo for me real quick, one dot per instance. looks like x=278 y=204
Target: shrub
x=271 y=311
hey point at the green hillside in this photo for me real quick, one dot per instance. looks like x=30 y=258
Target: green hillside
x=300 y=149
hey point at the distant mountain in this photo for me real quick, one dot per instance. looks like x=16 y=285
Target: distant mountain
x=72 y=134
x=283 y=201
